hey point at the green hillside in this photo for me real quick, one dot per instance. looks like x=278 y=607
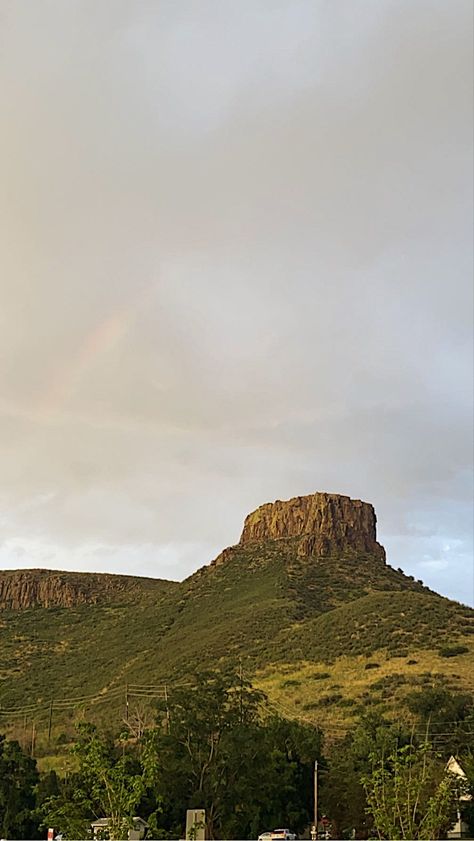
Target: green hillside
x=325 y=633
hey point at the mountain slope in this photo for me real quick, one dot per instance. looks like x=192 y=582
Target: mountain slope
x=306 y=589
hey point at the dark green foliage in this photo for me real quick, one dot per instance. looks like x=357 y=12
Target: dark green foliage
x=216 y=745
x=18 y=778
x=374 y=622
x=109 y=783
x=342 y=793
x=217 y=752
x=390 y=682
x=439 y=710
x=324 y=701
x=453 y=650
x=467 y=763
x=436 y=701
x=409 y=793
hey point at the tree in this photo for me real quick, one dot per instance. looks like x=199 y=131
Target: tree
x=69 y=811
x=343 y=796
x=409 y=794
x=18 y=777
x=109 y=783
x=439 y=711
x=467 y=763
x=216 y=749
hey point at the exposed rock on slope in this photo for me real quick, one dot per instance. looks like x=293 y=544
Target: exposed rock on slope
x=22 y=589
x=326 y=524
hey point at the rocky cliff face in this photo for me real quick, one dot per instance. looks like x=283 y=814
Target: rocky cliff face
x=325 y=523
x=22 y=589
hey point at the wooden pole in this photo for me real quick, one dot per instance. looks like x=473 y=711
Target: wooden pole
x=316 y=796
x=167 y=710
x=33 y=738
x=50 y=720
x=241 y=681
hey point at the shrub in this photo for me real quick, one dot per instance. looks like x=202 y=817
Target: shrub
x=452 y=650
x=390 y=682
x=327 y=700
x=372 y=666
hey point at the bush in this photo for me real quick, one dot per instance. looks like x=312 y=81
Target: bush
x=452 y=650
x=390 y=682
x=372 y=666
x=327 y=700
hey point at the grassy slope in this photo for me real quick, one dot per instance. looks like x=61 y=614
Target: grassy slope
x=68 y=652
x=291 y=619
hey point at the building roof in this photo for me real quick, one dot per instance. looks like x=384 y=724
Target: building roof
x=453 y=766
x=105 y=821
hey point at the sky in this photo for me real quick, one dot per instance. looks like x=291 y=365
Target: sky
x=235 y=266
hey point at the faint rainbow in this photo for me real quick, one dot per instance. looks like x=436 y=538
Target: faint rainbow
x=102 y=339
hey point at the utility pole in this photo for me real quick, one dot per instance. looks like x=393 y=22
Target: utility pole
x=241 y=681
x=316 y=797
x=50 y=719
x=167 y=710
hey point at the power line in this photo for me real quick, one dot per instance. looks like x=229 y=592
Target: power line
x=154 y=692
x=459 y=727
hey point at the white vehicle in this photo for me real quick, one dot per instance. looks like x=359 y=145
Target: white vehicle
x=283 y=835
x=265 y=836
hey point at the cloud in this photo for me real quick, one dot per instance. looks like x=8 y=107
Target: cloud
x=235 y=266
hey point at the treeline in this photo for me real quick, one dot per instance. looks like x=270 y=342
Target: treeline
x=219 y=747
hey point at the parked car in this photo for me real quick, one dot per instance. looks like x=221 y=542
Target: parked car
x=283 y=835
x=265 y=836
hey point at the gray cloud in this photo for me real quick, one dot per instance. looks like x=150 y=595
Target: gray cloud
x=235 y=266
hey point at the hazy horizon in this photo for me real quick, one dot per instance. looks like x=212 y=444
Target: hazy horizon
x=236 y=266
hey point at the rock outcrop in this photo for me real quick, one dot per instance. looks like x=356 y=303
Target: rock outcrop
x=325 y=524
x=26 y=588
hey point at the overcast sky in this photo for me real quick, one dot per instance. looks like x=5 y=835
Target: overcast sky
x=235 y=266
